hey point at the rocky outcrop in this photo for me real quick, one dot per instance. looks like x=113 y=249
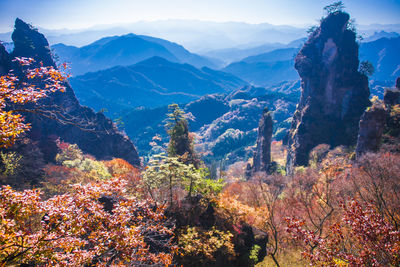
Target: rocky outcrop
x=4 y=60
x=262 y=154
x=372 y=124
x=392 y=96
x=333 y=93
x=398 y=83
x=92 y=132
x=380 y=124
x=29 y=42
x=392 y=129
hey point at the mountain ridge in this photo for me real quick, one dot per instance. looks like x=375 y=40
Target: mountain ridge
x=150 y=83
x=124 y=50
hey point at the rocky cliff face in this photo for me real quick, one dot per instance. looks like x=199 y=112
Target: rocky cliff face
x=380 y=123
x=392 y=129
x=93 y=132
x=392 y=96
x=372 y=124
x=4 y=60
x=333 y=93
x=262 y=154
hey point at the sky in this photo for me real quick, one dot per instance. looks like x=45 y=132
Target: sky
x=79 y=14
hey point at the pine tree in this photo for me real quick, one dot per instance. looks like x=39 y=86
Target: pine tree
x=181 y=143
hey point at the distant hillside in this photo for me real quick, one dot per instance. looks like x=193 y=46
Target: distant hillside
x=8 y=46
x=384 y=54
x=230 y=55
x=266 y=69
x=278 y=65
x=225 y=124
x=273 y=56
x=124 y=50
x=150 y=83
x=381 y=34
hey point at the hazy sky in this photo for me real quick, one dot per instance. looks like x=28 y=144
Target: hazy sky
x=73 y=14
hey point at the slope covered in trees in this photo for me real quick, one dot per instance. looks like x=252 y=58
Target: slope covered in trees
x=225 y=125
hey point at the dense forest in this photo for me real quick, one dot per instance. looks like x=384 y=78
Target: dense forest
x=287 y=158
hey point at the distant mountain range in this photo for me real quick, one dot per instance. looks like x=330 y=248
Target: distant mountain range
x=267 y=68
x=275 y=66
x=197 y=36
x=230 y=55
x=275 y=55
x=373 y=29
x=9 y=46
x=123 y=51
x=384 y=54
x=381 y=34
x=165 y=79
x=150 y=83
x=194 y=35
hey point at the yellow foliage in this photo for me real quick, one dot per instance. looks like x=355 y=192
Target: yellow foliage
x=204 y=244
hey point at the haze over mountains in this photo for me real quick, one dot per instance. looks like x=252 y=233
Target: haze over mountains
x=197 y=36
x=381 y=34
x=268 y=68
x=124 y=50
x=230 y=55
x=384 y=54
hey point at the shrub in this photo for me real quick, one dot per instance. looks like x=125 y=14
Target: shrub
x=95 y=224
x=366 y=68
x=203 y=247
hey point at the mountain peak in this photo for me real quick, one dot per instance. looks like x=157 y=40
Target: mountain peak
x=156 y=60
x=28 y=42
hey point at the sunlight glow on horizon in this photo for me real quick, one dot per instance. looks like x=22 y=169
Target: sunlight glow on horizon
x=75 y=14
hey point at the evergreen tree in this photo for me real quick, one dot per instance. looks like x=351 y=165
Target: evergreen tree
x=180 y=143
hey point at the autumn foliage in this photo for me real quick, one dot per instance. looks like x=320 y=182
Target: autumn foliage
x=202 y=246
x=87 y=212
x=33 y=84
x=337 y=212
x=361 y=238
x=95 y=223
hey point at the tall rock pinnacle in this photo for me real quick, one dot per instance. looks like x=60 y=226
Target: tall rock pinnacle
x=28 y=42
x=262 y=154
x=334 y=94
